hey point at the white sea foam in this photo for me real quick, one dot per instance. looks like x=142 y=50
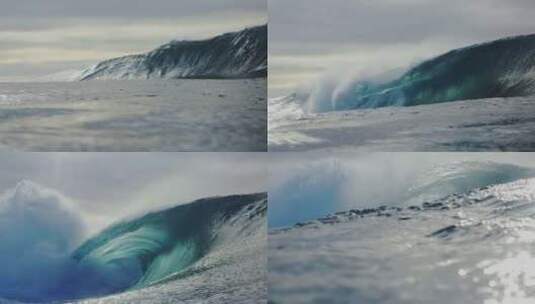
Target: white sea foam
x=39 y=231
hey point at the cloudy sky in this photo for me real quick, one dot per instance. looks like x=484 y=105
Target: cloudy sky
x=43 y=37
x=106 y=187
x=309 y=38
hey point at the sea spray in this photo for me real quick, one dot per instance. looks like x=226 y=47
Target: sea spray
x=39 y=230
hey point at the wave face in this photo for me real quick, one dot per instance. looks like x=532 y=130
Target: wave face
x=158 y=248
x=502 y=68
x=234 y=55
x=474 y=246
x=328 y=187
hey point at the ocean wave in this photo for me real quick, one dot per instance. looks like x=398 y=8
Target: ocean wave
x=41 y=262
x=474 y=246
x=502 y=68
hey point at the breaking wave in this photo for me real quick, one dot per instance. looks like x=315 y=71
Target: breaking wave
x=475 y=245
x=502 y=68
x=331 y=186
x=42 y=263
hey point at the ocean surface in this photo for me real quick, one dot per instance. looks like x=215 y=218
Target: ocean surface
x=470 y=245
x=134 y=115
x=476 y=98
x=492 y=124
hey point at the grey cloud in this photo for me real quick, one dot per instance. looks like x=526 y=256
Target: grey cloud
x=124 y=8
x=388 y=21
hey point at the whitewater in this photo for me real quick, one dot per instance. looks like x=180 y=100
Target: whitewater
x=478 y=98
x=134 y=115
x=463 y=234
x=210 y=251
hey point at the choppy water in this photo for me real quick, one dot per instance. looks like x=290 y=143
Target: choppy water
x=471 y=247
x=493 y=124
x=170 y=115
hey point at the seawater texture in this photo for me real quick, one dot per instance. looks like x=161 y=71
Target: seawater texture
x=134 y=115
x=493 y=124
x=478 y=98
x=216 y=245
x=473 y=246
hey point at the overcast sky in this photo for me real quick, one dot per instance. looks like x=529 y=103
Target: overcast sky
x=308 y=37
x=106 y=187
x=43 y=37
